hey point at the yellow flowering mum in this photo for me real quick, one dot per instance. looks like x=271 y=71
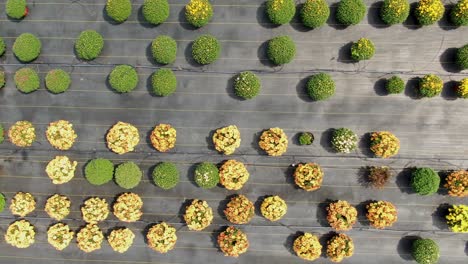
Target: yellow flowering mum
x=163 y=137
x=384 y=144
x=22 y=134
x=462 y=88
x=20 y=234
x=381 y=214
x=273 y=208
x=429 y=11
x=341 y=215
x=308 y=176
x=240 y=210
x=233 y=242
x=89 y=238
x=58 y=206
x=307 y=247
x=457 y=183
x=59 y=236
x=121 y=239
x=162 y=237
x=339 y=247
x=233 y=175
x=198 y=12
x=457 y=218
x=22 y=204
x=94 y=210
x=61 y=135
x=198 y=215
x=227 y=139
x=274 y=141
x=127 y=207
x=61 y=169
x=122 y=138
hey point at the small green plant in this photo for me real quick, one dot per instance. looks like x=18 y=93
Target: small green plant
x=206 y=49
x=395 y=85
x=425 y=251
x=351 y=12
x=430 y=85
x=459 y=13
x=306 y=138
x=156 y=11
x=344 y=140
x=2 y=202
x=429 y=11
x=164 y=82
x=247 y=85
x=123 y=78
x=119 y=10
x=281 y=50
x=206 y=175
x=2 y=134
x=27 y=80
x=128 y=175
x=16 y=9
x=89 y=45
x=314 y=13
x=27 y=47
x=99 y=171
x=198 y=12
x=320 y=87
x=2 y=47
x=363 y=49
x=394 y=11
x=280 y=11
x=164 y=49
x=457 y=218
x=57 y=81
x=2 y=79
x=166 y=175
x=462 y=57
x=425 y=181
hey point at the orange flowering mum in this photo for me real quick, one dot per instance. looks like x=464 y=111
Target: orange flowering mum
x=240 y=210
x=308 y=176
x=233 y=242
x=339 y=247
x=341 y=215
x=381 y=214
x=457 y=183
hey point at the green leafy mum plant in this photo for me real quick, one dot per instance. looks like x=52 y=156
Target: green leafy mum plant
x=164 y=49
x=198 y=12
x=156 y=11
x=430 y=85
x=128 y=175
x=163 y=82
x=57 y=81
x=27 y=80
x=344 y=140
x=425 y=251
x=166 y=175
x=2 y=202
x=123 y=78
x=320 y=87
x=89 y=45
x=16 y=9
x=394 y=11
x=459 y=14
x=99 y=171
x=206 y=49
x=280 y=11
x=351 y=12
x=2 y=134
x=206 y=175
x=363 y=49
x=457 y=218
x=2 y=79
x=2 y=47
x=462 y=57
x=119 y=10
x=281 y=50
x=395 y=85
x=429 y=11
x=27 y=47
x=425 y=181
x=247 y=85
x=306 y=138
x=314 y=13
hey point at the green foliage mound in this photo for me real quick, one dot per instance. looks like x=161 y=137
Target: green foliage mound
x=57 y=81
x=99 y=171
x=320 y=87
x=306 y=138
x=119 y=10
x=89 y=45
x=2 y=79
x=425 y=181
x=16 y=9
x=128 y=175
x=351 y=12
x=247 y=85
x=206 y=49
x=2 y=202
x=462 y=57
x=395 y=85
x=314 y=13
x=363 y=49
x=394 y=11
x=164 y=82
x=2 y=47
x=164 y=49
x=2 y=134
x=280 y=11
x=166 y=175
x=281 y=50
x=156 y=11
x=123 y=78
x=27 y=80
x=425 y=251
x=206 y=175
x=27 y=47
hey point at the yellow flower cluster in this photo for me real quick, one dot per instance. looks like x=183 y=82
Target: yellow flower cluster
x=58 y=206
x=277 y=5
x=89 y=238
x=127 y=207
x=20 y=234
x=457 y=183
x=61 y=169
x=457 y=218
x=233 y=242
x=240 y=210
x=462 y=8
x=162 y=237
x=397 y=7
x=462 y=88
x=384 y=144
x=307 y=247
x=381 y=214
x=198 y=9
x=59 y=236
x=95 y=210
x=121 y=239
x=339 y=247
x=198 y=215
x=22 y=134
x=227 y=139
x=308 y=176
x=273 y=208
x=233 y=175
x=61 y=135
x=341 y=215
x=22 y=204
x=163 y=137
x=433 y=10
x=122 y=138
x=274 y=141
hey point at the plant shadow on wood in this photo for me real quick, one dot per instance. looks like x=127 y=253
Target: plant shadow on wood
x=262 y=55
x=230 y=89
x=344 y=54
x=325 y=140
x=403 y=180
x=448 y=60
x=412 y=22
x=445 y=23
x=288 y=244
x=373 y=15
x=183 y=21
x=214 y=236
x=363 y=176
x=364 y=145
x=321 y=213
x=108 y=19
x=362 y=211
x=189 y=58
x=258 y=204
x=182 y=209
x=301 y=90
x=262 y=17
x=438 y=216
x=332 y=21
x=412 y=88
x=254 y=143
x=222 y=205
x=449 y=92
x=191 y=174
x=209 y=140
x=323 y=239
x=149 y=174
x=289 y=177
x=142 y=20
x=443 y=174
x=404 y=247
x=296 y=22
x=379 y=87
